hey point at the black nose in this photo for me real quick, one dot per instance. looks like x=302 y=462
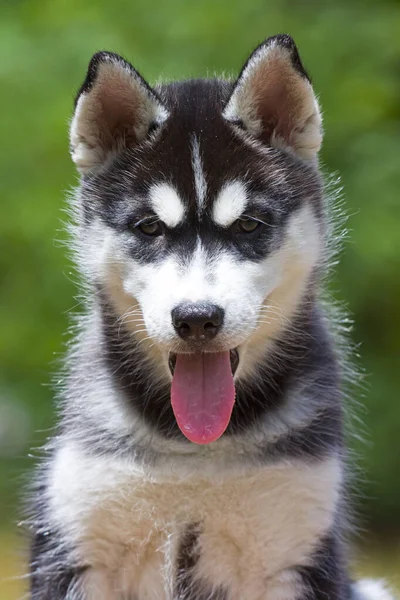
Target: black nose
x=197 y=321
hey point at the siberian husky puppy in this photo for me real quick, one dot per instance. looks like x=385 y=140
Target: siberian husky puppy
x=200 y=447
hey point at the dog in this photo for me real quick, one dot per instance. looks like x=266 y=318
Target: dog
x=200 y=452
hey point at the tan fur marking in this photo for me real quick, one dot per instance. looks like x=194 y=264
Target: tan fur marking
x=255 y=527
x=296 y=260
x=108 y=260
x=131 y=315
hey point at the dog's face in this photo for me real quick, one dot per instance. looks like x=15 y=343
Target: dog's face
x=200 y=202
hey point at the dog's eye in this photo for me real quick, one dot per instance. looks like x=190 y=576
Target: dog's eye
x=247 y=225
x=150 y=227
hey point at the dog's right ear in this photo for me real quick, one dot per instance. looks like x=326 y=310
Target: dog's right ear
x=114 y=109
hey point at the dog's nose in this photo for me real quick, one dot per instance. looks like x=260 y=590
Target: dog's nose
x=197 y=321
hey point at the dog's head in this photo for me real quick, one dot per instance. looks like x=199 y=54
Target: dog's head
x=200 y=210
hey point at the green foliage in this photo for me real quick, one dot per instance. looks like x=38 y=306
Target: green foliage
x=352 y=50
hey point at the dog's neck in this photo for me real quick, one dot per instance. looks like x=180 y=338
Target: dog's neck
x=268 y=405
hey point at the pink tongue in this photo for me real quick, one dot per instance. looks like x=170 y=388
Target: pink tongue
x=203 y=395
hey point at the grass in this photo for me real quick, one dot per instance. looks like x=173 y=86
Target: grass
x=380 y=560
x=12 y=567
x=374 y=560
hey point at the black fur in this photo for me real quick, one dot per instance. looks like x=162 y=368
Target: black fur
x=304 y=355
x=187 y=586
x=285 y=41
x=326 y=579
x=103 y=57
x=118 y=194
x=52 y=575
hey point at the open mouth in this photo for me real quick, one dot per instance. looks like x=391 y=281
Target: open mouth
x=233 y=356
x=203 y=393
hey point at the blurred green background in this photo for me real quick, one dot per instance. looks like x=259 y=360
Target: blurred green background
x=351 y=49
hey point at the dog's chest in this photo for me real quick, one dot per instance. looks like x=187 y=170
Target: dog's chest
x=242 y=532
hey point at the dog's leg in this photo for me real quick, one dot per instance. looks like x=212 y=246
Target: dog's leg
x=327 y=577
x=53 y=576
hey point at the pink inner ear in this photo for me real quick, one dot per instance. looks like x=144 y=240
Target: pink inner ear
x=281 y=95
x=115 y=112
x=277 y=103
x=116 y=101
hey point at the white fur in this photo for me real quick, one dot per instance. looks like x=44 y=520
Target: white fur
x=230 y=203
x=167 y=204
x=284 y=280
x=86 y=152
x=200 y=182
x=258 y=297
x=102 y=402
x=126 y=522
x=371 y=589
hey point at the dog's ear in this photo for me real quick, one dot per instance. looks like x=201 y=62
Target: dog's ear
x=274 y=100
x=115 y=108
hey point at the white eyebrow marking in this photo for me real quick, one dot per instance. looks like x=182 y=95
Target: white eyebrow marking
x=230 y=203
x=167 y=204
x=200 y=183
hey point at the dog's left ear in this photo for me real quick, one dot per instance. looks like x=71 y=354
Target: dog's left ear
x=274 y=100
